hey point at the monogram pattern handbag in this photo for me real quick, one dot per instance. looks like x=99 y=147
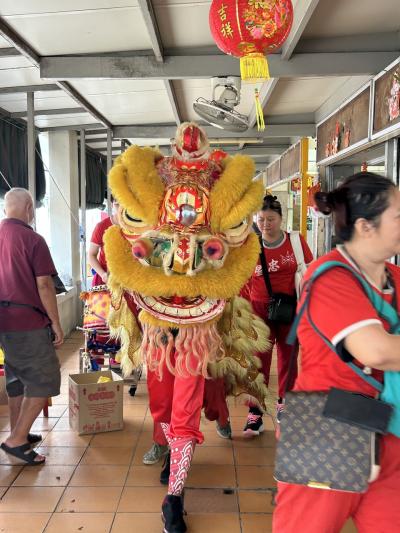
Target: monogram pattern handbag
x=321 y=452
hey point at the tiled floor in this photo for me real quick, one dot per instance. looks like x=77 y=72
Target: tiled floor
x=98 y=484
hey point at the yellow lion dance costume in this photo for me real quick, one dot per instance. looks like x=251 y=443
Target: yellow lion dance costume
x=182 y=252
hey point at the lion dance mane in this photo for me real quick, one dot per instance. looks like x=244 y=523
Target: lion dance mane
x=182 y=251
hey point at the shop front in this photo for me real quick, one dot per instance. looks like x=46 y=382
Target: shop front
x=361 y=135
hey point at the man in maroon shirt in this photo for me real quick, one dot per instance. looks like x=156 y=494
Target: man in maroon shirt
x=30 y=327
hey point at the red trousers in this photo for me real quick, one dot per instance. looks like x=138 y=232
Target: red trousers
x=214 y=404
x=302 y=509
x=159 y=435
x=278 y=335
x=177 y=401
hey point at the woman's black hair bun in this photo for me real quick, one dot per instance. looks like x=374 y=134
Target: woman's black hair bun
x=272 y=202
x=324 y=202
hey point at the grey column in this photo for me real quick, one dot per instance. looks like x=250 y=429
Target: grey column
x=83 y=207
x=30 y=100
x=109 y=165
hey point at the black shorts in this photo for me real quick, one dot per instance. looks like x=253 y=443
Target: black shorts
x=31 y=364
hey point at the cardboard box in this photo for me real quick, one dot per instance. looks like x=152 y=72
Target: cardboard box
x=95 y=407
x=3 y=393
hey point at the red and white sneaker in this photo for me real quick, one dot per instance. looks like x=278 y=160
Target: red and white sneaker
x=254 y=425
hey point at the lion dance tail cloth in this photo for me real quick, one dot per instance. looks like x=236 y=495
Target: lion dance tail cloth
x=182 y=251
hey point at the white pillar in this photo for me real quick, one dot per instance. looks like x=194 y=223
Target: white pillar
x=109 y=165
x=82 y=147
x=31 y=137
x=64 y=205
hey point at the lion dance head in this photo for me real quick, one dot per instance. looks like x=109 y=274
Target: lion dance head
x=183 y=250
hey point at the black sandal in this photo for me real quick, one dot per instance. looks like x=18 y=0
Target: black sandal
x=34 y=439
x=20 y=453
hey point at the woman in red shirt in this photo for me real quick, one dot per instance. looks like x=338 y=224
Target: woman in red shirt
x=367 y=220
x=96 y=255
x=282 y=266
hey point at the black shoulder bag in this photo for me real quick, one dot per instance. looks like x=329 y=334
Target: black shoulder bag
x=281 y=307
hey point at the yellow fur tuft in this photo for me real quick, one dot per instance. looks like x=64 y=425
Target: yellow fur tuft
x=135 y=183
x=222 y=283
x=235 y=196
x=123 y=326
x=243 y=334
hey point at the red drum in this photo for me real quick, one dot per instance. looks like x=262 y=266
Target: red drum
x=97 y=306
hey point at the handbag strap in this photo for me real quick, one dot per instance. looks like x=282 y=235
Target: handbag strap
x=297 y=250
x=384 y=310
x=264 y=268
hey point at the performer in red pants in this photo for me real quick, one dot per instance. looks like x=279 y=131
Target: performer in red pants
x=215 y=409
x=183 y=250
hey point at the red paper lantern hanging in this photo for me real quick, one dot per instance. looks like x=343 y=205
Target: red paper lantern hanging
x=249 y=29
x=218 y=155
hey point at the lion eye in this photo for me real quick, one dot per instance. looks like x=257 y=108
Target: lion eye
x=238 y=226
x=132 y=219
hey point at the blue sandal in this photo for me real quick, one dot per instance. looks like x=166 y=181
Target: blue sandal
x=24 y=453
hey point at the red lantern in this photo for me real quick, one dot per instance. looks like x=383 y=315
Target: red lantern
x=249 y=29
x=218 y=155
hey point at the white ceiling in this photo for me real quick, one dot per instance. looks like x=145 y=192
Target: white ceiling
x=353 y=17
x=54 y=27
x=302 y=95
x=82 y=31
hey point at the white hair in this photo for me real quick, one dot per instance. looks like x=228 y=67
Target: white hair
x=17 y=195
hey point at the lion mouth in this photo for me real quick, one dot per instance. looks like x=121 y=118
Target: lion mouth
x=179 y=309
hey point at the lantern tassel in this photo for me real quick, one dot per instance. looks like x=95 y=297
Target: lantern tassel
x=259 y=111
x=254 y=67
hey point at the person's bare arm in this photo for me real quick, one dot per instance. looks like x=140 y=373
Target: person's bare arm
x=93 y=261
x=47 y=293
x=374 y=347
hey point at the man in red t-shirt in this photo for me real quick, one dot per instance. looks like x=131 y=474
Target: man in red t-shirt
x=29 y=324
x=96 y=255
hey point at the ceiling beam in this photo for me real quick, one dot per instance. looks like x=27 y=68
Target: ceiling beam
x=104 y=150
x=76 y=127
x=173 y=100
x=9 y=52
x=27 y=51
x=18 y=42
x=4 y=113
x=97 y=140
x=378 y=42
x=79 y=99
x=159 y=131
x=100 y=131
x=147 y=10
x=46 y=112
x=29 y=88
x=302 y=14
x=200 y=67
